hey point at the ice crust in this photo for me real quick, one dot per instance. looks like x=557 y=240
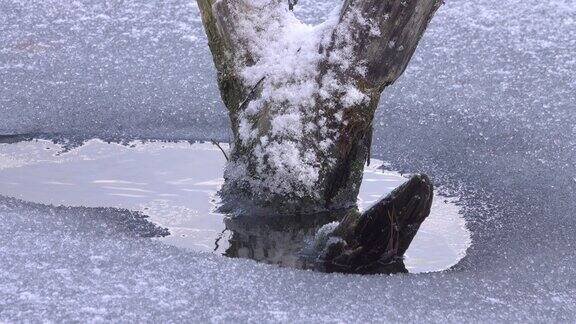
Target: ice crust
x=72 y=265
x=486 y=108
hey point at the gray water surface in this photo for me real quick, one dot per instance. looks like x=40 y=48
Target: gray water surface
x=176 y=185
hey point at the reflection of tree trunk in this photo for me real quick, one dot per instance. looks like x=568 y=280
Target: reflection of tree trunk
x=371 y=242
x=301 y=104
x=276 y=240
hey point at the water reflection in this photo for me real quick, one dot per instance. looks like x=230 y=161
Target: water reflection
x=299 y=241
x=349 y=241
x=284 y=240
x=175 y=184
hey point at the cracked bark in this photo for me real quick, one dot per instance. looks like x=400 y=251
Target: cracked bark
x=400 y=24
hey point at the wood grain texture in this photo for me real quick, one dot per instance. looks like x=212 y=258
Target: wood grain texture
x=383 y=34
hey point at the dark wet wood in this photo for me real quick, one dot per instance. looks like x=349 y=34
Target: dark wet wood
x=365 y=243
x=378 y=238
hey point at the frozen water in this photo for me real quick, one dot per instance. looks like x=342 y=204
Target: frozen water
x=486 y=108
x=175 y=184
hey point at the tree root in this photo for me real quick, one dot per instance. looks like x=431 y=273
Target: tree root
x=376 y=240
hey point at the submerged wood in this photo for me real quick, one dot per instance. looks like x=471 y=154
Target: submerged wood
x=337 y=241
x=376 y=240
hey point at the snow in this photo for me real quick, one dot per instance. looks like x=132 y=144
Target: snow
x=323 y=238
x=135 y=279
x=278 y=56
x=486 y=108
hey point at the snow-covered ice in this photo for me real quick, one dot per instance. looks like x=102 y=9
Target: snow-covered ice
x=486 y=108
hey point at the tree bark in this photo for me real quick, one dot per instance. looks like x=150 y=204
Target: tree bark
x=306 y=154
x=376 y=240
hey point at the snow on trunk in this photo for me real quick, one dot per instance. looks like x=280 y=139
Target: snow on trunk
x=301 y=98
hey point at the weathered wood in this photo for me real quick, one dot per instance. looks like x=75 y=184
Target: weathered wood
x=384 y=35
x=231 y=89
x=388 y=49
x=378 y=37
x=377 y=239
x=291 y=4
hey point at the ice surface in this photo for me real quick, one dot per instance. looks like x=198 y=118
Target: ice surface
x=486 y=107
x=176 y=185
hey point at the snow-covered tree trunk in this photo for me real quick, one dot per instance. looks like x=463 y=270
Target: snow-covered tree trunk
x=301 y=98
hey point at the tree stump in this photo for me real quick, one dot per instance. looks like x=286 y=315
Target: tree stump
x=376 y=240
x=301 y=99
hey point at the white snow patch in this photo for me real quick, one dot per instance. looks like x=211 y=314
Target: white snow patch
x=279 y=56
